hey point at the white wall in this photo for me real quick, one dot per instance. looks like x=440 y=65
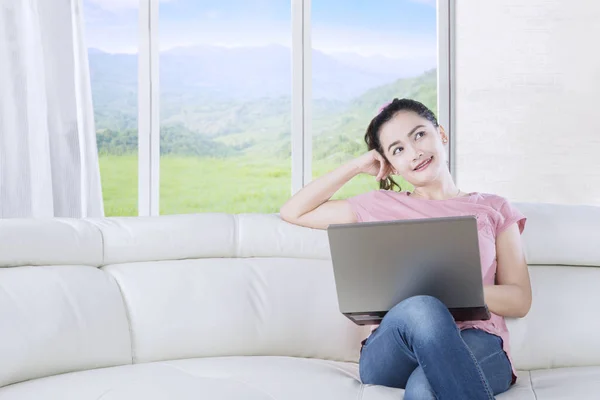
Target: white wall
x=527 y=98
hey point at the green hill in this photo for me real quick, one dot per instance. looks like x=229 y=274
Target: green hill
x=341 y=136
x=257 y=128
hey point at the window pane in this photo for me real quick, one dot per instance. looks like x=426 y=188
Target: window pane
x=363 y=57
x=111 y=29
x=225 y=99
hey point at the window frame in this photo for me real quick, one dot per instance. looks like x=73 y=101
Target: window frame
x=148 y=110
x=301 y=127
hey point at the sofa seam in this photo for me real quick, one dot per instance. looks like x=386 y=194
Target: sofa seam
x=102 y=242
x=125 y=306
x=127 y=316
x=236 y=234
x=532 y=388
x=361 y=391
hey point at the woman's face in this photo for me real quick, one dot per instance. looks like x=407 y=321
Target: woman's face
x=414 y=147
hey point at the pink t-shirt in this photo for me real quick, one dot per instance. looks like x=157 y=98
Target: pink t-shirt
x=494 y=214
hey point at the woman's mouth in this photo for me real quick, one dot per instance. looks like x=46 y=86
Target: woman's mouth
x=424 y=164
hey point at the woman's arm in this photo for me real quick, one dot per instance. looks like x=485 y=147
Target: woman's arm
x=311 y=206
x=511 y=296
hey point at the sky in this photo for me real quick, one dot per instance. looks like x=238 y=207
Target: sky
x=391 y=28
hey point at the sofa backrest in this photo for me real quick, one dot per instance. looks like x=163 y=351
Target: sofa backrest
x=225 y=285
x=80 y=294
x=562 y=246
x=58 y=311
x=103 y=292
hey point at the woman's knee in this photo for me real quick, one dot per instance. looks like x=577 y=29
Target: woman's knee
x=418 y=386
x=425 y=315
x=418 y=308
x=419 y=393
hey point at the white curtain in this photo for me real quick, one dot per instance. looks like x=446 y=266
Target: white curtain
x=48 y=154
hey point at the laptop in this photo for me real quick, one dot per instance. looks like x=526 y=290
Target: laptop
x=376 y=265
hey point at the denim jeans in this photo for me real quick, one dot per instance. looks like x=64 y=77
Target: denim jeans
x=419 y=348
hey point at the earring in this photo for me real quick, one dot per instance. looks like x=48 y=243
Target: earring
x=445 y=140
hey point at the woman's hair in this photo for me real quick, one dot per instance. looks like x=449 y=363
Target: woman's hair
x=385 y=114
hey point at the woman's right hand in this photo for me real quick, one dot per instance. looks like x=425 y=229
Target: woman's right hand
x=374 y=164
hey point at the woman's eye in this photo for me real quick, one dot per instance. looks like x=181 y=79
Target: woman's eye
x=397 y=150
x=422 y=133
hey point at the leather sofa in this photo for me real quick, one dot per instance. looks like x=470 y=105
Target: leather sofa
x=221 y=307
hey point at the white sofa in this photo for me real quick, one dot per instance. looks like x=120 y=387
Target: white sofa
x=218 y=306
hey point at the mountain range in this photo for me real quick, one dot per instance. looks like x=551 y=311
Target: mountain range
x=223 y=101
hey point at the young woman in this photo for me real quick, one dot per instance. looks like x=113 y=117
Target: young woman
x=418 y=346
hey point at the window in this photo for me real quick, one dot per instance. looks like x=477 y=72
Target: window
x=363 y=56
x=222 y=139
x=111 y=29
x=225 y=105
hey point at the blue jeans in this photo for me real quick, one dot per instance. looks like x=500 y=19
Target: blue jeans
x=419 y=348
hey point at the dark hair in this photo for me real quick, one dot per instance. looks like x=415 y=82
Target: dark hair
x=385 y=114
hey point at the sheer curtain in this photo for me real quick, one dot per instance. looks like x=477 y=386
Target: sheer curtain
x=48 y=154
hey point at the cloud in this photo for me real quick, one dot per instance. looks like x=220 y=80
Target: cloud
x=115 y=5
x=427 y=2
x=368 y=42
x=213 y=14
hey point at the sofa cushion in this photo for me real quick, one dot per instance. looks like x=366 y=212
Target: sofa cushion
x=558 y=234
x=167 y=237
x=229 y=307
x=209 y=235
x=57 y=319
x=561 y=329
x=226 y=378
x=57 y=241
x=567 y=383
x=261 y=235
x=268 y=378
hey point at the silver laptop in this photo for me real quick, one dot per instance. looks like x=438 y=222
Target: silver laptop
x=379 y=264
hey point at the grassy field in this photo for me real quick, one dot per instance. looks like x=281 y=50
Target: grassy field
x=193 y=185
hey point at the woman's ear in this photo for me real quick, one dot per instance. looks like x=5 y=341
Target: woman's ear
x=443 y=135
